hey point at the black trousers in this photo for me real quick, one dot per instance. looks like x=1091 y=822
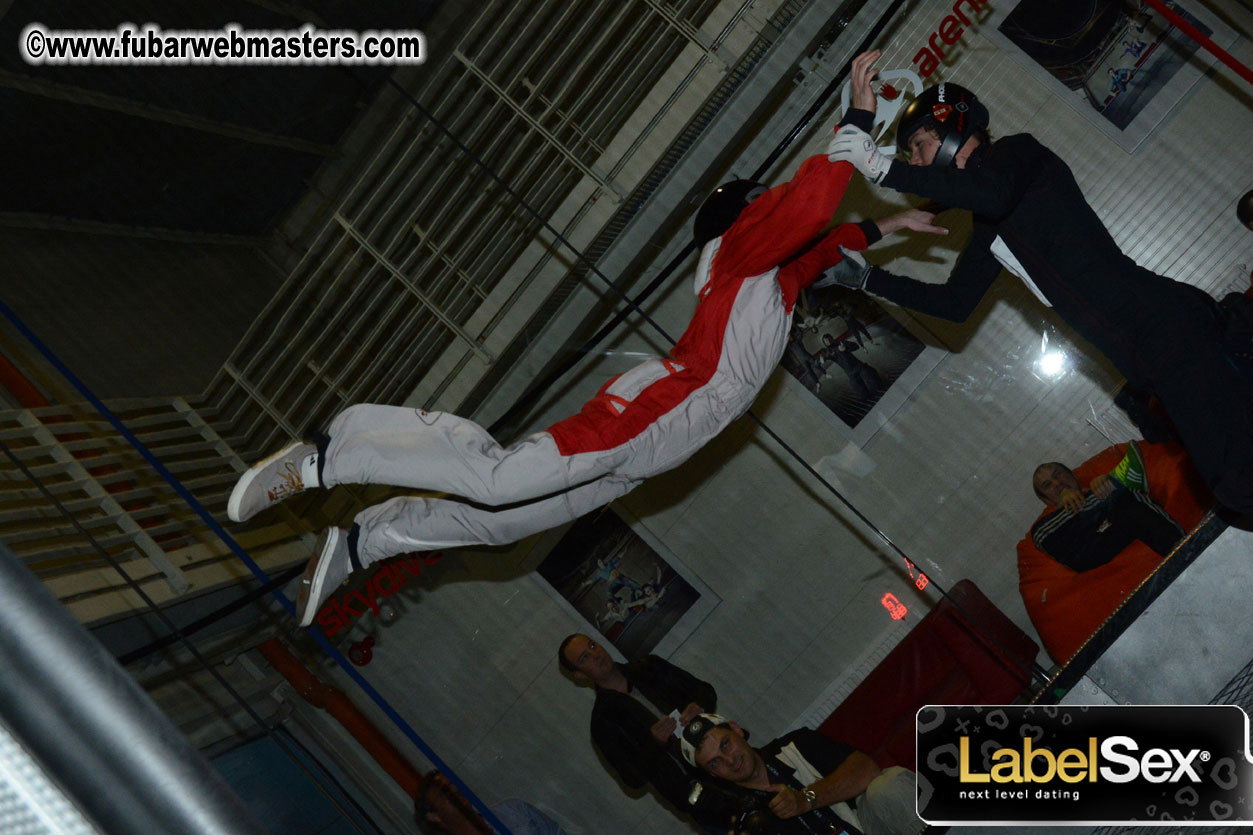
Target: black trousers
x=1097 y=535
x=1185 y=361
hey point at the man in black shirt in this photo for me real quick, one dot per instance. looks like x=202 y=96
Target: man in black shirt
x=639 y=706
x=1031 y=217
x=805 y=782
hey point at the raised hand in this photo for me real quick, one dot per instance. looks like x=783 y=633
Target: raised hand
x=852 y=144
x=860 y=76
x=690 y=712
x=663 y=728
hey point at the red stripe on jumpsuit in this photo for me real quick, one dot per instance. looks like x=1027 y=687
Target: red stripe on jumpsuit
x=758 y=242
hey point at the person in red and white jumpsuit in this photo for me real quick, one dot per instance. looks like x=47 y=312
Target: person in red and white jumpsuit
x=641 y=423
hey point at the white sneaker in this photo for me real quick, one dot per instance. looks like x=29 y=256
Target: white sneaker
x=287 y=472
x=329 y=567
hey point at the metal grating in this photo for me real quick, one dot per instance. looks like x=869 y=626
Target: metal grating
x=610 y=232
x=30 y=802
x=418 y=243
x=121 y=505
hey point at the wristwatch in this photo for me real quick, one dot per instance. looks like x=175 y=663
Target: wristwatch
x=811 y=797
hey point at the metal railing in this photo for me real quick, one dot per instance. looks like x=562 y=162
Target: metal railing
x=102 y=482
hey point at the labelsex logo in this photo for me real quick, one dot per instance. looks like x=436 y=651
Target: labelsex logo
x=1116 y=765
x=1039 y=765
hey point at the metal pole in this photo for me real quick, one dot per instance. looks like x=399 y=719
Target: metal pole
x=94 y=730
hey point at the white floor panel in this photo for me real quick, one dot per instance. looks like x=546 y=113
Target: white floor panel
x=1193 y=639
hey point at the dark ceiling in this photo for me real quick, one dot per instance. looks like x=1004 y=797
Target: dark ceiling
x=206 y=149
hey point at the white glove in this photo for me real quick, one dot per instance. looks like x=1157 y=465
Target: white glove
x=852 y=144
x=850 y=272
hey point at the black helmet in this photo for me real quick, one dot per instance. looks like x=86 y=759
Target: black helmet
x=1244 y=209
x=951 y=110
x=721 y=208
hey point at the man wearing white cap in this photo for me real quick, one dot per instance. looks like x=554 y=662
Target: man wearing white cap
x=807 y=781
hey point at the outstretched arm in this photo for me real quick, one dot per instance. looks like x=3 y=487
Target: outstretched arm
x=991 y=189
x=955 y=299
x=803 y=270
x=983 y=190
x=847 y=781
x=779 y=223
x=826 y=252
x=919 y=220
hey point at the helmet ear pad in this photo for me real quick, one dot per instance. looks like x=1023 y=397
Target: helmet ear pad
x=721 y=209
x=1244 y=209
x=949 y=147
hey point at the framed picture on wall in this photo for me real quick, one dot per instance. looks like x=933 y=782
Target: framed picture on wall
x=633 y=593
x=1122 y=64
x=857 y=359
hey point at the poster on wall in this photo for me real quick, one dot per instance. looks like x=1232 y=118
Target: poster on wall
x=634 y=594
x=857 y=359
x=1122 y=64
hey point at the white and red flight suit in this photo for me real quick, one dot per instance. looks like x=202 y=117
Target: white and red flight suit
x=642 y=422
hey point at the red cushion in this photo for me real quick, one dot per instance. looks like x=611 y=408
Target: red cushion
x=1067 y=606
x=943 y=660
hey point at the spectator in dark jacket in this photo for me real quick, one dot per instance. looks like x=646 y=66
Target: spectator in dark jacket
x=640 y=707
